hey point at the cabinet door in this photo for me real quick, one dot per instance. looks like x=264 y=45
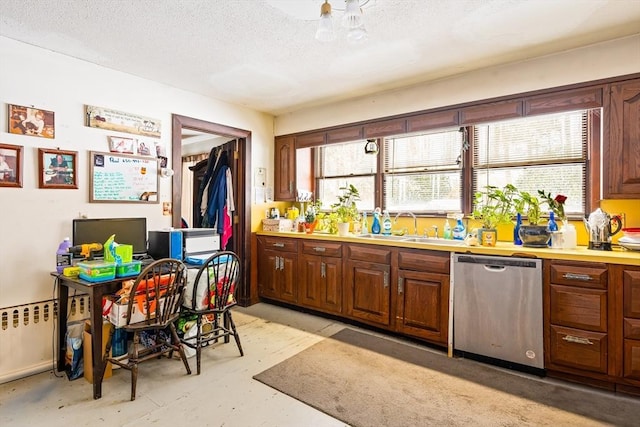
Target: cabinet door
x=621 y=155
x=578 y=349
x=423 y=305
x=267 y=271
x=311 y=281
x=288 y=277
x=367 y=296
x=285 y=169
x=632 y=359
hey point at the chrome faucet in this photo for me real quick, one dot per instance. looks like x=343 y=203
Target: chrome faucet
x=415 y=221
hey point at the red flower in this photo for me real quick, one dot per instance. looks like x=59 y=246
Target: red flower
x=560 y=198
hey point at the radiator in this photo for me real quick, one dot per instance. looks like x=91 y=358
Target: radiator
x=28 y=336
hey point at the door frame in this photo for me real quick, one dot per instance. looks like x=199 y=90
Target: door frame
x=242 y=216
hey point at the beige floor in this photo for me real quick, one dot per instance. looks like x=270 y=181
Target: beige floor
x=223 y=395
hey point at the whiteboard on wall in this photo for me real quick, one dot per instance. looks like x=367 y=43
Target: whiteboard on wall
x=120 y=178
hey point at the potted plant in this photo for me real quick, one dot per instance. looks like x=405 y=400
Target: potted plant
x=493 y=207
x=310 y=216
x=532 y=235
x=345 y=209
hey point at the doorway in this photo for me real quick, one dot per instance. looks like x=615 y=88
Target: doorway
x=241 y=238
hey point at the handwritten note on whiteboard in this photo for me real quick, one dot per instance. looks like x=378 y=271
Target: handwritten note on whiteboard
x=123 y=178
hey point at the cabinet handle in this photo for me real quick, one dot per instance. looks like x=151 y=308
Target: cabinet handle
x=277 y=266
x=574 y=276
x=281 y=263
x=386 y=279
x=319 y=249
x=290 y=186
x=577 y=340
x=323 y=269
x=400 y=285
x=278 y=245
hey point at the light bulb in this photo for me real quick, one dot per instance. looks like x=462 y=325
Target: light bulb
x=352 y=17
x=325 y=31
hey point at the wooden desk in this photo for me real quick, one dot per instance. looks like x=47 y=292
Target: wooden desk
x=96 y=291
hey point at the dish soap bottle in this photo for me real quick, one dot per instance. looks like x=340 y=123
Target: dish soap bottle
x=375 y=226
x=364 y=225
x=551 y=227
x=447 y=230
x=459 y=231
x=386 y=223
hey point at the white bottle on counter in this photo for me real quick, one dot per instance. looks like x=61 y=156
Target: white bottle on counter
x=570 y=236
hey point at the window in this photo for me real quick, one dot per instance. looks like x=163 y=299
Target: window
x=422 y=173
x=340 y=164
x=535 y=153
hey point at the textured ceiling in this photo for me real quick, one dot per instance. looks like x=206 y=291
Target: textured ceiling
x=262 y=53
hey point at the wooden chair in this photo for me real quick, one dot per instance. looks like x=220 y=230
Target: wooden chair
x=154 y=305
x=211 y=300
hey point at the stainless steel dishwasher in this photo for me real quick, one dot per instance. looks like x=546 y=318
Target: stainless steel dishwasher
x=497 y=309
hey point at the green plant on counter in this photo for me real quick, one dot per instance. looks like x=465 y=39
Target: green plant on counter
x=528 y=204
x=494 y=205
x=312 y=212
x=346 y=208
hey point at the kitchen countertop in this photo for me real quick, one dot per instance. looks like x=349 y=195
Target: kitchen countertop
x=581 y=253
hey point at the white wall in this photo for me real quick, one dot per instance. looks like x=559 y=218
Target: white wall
x=609 y=59
x=33 y=221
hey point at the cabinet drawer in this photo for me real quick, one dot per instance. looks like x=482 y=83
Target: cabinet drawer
x=369 y=253
x=585 y=275
x=631 y=328
x=322 y=248
x=280 y=244
x=578 y=307
x=578 y=349
x=423 y=260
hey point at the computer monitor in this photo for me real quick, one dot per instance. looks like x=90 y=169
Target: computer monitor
x=130 y=231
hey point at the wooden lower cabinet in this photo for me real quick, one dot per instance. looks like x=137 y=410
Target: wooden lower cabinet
x=320 y=269
x=367 y=284
x=278 y=268
x=629 y=278
x=576 y=298
x=422 y=295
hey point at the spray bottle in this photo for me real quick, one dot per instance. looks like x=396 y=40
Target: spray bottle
x=459 y=231
x=375 y=226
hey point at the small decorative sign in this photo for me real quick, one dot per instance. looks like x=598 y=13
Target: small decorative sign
x=105 y=118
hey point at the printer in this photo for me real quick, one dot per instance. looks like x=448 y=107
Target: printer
x=192 y=245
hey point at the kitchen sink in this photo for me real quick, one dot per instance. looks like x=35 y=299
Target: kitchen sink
x=383 y=237
x=433 y=241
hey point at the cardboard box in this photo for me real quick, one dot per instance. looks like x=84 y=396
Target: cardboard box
x=118 y=312
x=277 y=225
x=88 y=353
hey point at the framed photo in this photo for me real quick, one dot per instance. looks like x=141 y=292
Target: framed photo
x=122 y=145
x=57 y=168
x=10 y=165
x=146 y=149
x=31 y=121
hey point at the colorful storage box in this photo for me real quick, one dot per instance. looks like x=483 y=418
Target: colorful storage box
x=97 y=271
x=128 y=269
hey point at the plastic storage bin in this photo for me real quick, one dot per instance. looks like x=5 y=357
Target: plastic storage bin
x=97 y=271
x=128 y=269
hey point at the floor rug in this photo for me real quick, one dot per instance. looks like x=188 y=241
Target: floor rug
x=365 y=380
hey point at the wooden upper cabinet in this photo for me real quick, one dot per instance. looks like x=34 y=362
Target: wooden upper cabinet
x=285 y=169
x=621 y=156
x=353 y=133
x=491 y=112
x=310 y=140
x=578 y=99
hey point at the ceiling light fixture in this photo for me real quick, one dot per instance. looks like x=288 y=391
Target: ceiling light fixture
x=352 y=20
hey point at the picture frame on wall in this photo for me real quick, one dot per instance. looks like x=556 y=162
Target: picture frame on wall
x=118 y=144
x=10 y=165
x=57 y=169
x=31 y=121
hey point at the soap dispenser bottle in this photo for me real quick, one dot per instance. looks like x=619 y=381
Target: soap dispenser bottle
x=375 y=226
x=364 y=225
x=447 y=230
x=386 y=223
x=459 y=231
